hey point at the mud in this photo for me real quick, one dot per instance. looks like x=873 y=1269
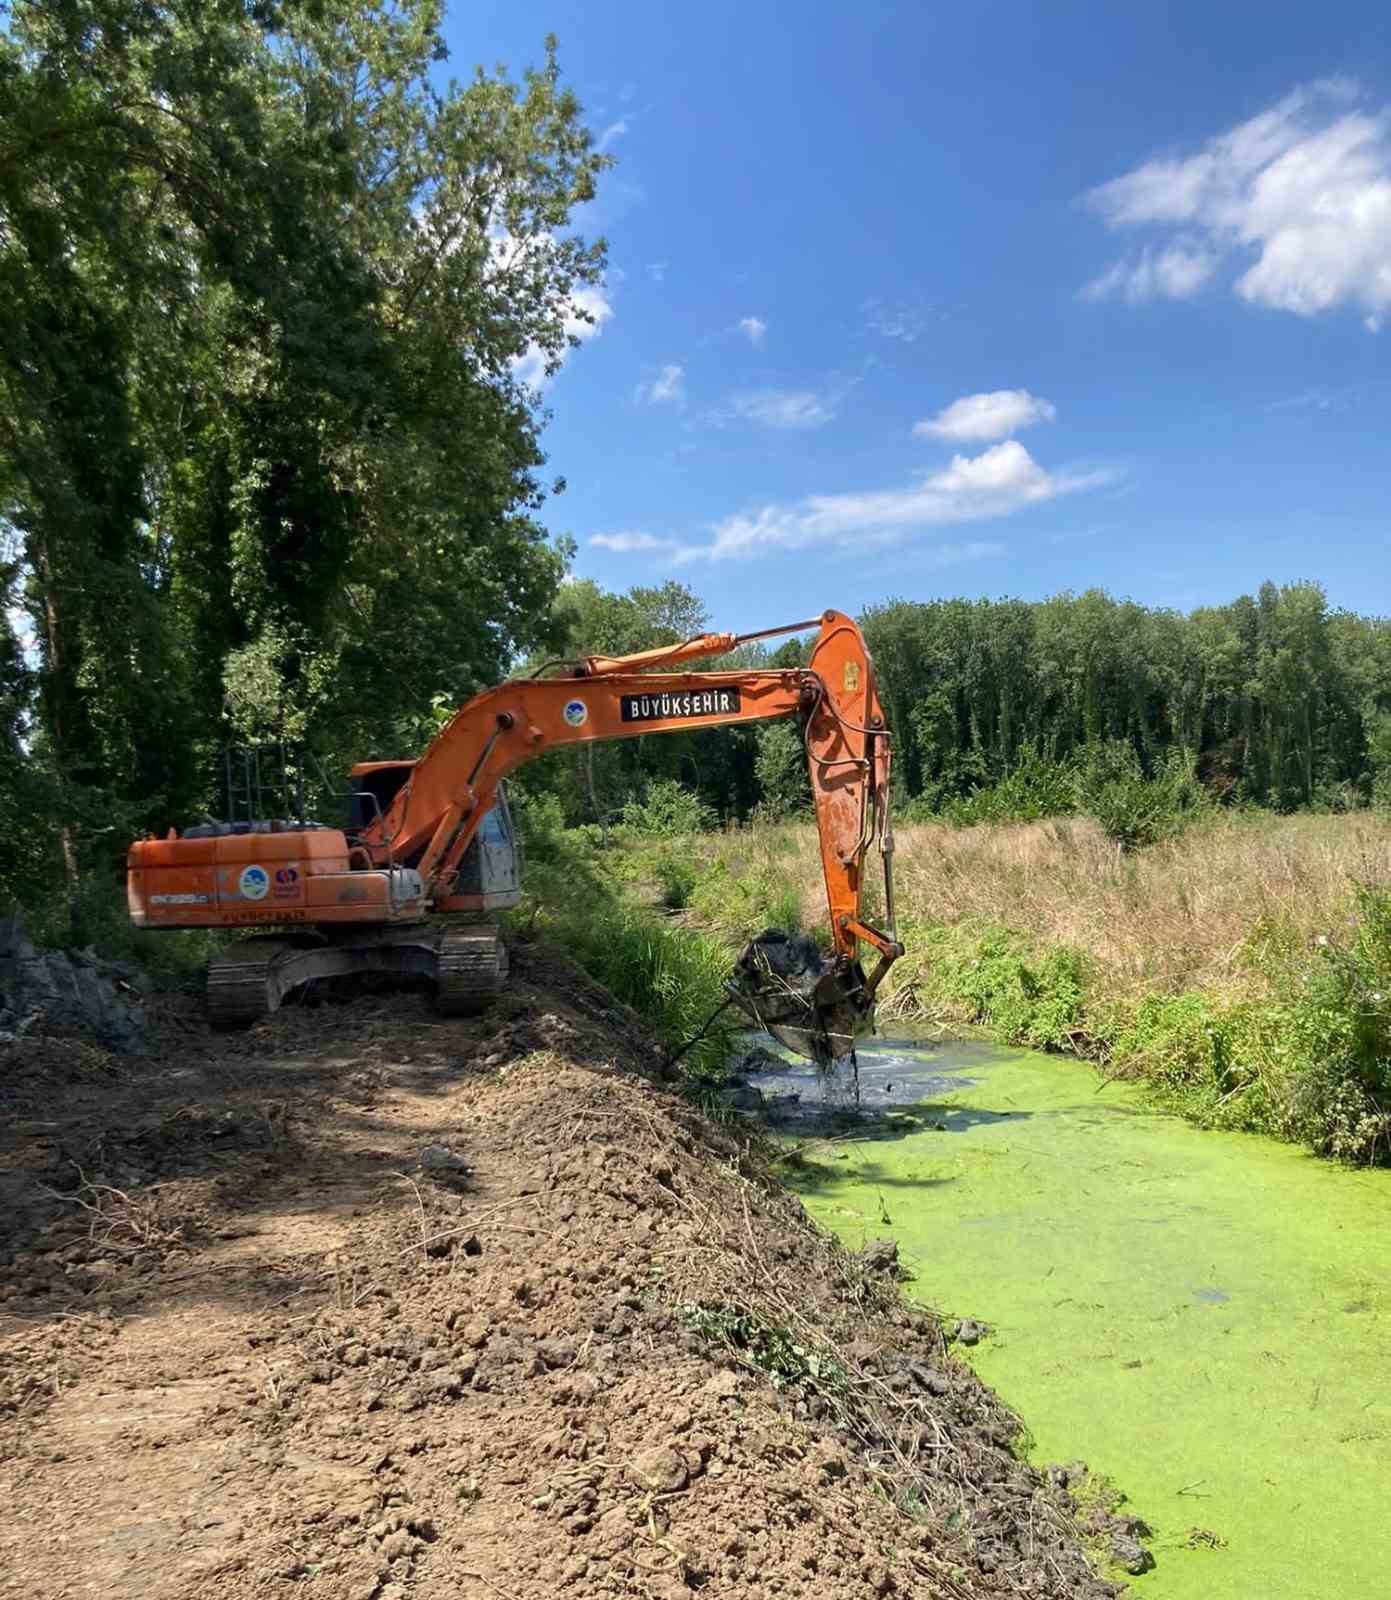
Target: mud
x=368 y=1304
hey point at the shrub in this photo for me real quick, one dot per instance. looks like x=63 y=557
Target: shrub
x=677 y=876
x=1036 y=788
x=1332 y=1055
x=992 y=974
x=1131 y=809
x=667 y=810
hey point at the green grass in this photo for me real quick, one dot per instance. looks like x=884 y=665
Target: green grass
x=587 y=901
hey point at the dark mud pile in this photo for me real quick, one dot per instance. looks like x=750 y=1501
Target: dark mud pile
x=369 y=1304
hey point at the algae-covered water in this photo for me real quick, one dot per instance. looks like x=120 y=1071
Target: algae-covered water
x=1203 y=1318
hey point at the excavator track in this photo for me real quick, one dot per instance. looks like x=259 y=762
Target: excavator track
x=472 y=968
x=243 y=986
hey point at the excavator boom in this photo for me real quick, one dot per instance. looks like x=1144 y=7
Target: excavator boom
x=431 y=821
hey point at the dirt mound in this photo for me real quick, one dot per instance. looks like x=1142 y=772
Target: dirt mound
x=370 y=1304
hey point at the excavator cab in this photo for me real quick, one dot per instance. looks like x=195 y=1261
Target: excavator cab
x=489 y=875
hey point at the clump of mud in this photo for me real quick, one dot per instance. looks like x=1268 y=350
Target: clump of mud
x=505 y=1316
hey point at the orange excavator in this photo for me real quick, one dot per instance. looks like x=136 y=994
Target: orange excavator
x=411 y=885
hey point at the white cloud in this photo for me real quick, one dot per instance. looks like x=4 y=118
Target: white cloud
x=977 y=417
x=1174 y=273
x=783 y=408
x=657 y=270
x=666 y=389
x=905 y=323
x=615 y=130
x=1298 y=198
x=630 y=543
x=997 y=483
x=754 y=328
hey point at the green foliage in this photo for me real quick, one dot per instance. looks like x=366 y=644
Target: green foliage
x=1037 y=787
x=772 y=1350
x=1277 y=697
x=1134 y=810
x=993 y=979
x=677 y=875
x=272 y=290
x=780 y=771
x=744 y=903
x=667 y=811
x=672 y=977
x=1310 y=1062
x=1331 y=1057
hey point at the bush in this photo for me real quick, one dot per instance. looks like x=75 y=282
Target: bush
x=677 y=877
x=744 y=903
x=667 y=810
x=992 y=975
x=1131 y=809
x=1034 y=789
x=1330 y=1052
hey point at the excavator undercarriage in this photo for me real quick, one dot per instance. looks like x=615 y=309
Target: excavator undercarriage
x=467 y=966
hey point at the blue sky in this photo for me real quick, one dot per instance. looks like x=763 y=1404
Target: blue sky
x=922 y=299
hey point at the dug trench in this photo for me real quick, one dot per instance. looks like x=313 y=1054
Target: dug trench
x=370 y=1304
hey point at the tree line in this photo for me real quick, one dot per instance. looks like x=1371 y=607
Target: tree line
x=1278 y=699
x=1275 y=699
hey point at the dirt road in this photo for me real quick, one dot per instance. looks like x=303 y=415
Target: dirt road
x=368 y=1304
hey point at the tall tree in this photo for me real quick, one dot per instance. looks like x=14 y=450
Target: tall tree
x=270 y=290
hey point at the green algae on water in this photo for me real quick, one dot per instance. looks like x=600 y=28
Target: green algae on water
x=1204 y=1318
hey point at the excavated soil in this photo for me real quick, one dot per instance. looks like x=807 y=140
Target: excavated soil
x=369 y=1304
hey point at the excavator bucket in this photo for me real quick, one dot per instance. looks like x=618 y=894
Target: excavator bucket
x=810 y=1002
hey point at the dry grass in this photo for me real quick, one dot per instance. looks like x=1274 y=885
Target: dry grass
x=1180 y=915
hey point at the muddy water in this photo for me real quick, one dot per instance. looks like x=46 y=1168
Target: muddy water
x=1204 y=1318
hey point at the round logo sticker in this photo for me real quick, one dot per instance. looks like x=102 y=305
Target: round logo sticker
x=576 y=713
x=254 y=883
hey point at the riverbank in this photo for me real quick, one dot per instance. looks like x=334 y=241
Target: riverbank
x=1241 y=971
x=1206 y=1317
x=366 y=1302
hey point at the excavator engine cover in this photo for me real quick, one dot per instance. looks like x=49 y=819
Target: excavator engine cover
x=810 y=1002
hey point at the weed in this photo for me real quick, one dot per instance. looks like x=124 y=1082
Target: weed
x=773 y=1350
x=677 y=875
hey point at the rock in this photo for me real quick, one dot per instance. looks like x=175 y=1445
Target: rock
x=556 y=1352
x=758 y=1060
x=659 y=1469
x=1129 y=1554
x=742 y=1097
x=50 y=989
x=440 y=1158
x=828 y=1457
x=881 y=1255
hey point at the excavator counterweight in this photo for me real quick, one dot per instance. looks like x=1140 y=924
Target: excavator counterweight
x=411 y=885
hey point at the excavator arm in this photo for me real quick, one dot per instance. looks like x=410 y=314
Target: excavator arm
x=434 y=815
